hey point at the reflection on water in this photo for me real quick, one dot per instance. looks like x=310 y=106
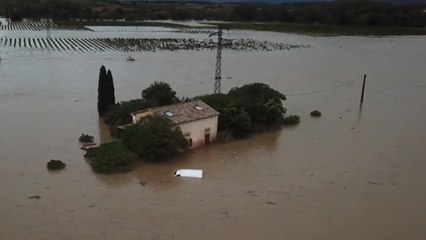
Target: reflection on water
x=360 y=111
x=294 y=183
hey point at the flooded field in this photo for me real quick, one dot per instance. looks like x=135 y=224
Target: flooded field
x=355 y=173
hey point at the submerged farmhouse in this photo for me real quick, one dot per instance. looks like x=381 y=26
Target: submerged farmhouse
x=197 y=120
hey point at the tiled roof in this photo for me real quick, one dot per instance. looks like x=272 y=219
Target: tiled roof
x=185 y=111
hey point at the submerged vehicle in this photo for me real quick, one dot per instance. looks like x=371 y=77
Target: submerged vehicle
x=194 y=173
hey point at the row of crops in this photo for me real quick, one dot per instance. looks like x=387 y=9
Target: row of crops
x=37 y=26
x=140 y=44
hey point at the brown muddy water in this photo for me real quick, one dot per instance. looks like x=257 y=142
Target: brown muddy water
x=354 y=173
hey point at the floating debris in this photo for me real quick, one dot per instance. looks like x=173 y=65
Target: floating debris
x=34 y=197
x=87 y=146
x=375 y=183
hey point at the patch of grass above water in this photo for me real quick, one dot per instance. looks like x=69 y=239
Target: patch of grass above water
x=325 y=30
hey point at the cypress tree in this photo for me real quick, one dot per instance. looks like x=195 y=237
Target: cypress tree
x=106 y=96
x=110 y=89
x=102 y=90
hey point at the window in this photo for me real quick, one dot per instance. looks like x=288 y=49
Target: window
x=187 y=135
x=169 y=114
x=207 y=131
x=199 y=108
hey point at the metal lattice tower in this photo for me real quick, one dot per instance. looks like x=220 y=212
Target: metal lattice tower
x=218 y=71
x=48 y=29
x=48 y=26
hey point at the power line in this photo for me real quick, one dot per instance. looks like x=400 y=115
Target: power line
x=323 y=90
x=371 y=52
x=396 y=96
x=369 y=89
x=399 y=82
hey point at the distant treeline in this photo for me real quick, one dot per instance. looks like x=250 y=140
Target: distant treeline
x=360 y=13
x=343 y=12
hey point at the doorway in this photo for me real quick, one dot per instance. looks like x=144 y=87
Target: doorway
x=207 y=138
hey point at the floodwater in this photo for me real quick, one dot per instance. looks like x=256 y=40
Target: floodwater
x=355 y=173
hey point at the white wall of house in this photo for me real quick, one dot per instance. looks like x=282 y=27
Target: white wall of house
x=197 y=130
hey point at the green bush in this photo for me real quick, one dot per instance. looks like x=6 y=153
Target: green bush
x=85 y=138
x=255 y=92
x=316 y=113
x=261 y=102
x=154 y=138
x=247 y=108
x=291 y=120
x=236 y=121
x=216 y=101
x=160 y=92
x=55 y=165
x=111 y=157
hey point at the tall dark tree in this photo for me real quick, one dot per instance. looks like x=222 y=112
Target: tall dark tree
x=106 y=95
x=111 y=91
x=101 y=91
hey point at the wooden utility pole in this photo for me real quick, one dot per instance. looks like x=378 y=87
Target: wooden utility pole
x=363 y=88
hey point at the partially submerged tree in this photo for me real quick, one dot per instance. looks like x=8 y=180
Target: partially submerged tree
x=154 y=138
x=86 y=138
x=55 y=165
x=111 y=157
x=245 y=109
x=291 y=120
x=216 y=100
x=160 y=92
x=236 y=121
x=106 y=96
x=254 y=92
x=261 y=102
x=316 y=113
